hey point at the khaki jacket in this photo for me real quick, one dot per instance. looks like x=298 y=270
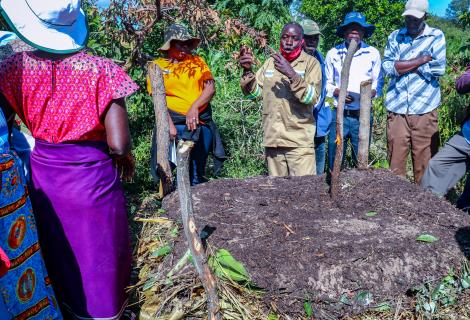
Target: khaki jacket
x=287 y=107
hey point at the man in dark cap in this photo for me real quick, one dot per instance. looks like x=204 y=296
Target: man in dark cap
x=321 y=111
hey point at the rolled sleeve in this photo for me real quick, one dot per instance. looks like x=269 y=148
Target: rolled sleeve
x=391 y=55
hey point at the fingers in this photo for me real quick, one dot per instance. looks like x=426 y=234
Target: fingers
x=277 y=57
x=246 y=59
x=192 y=122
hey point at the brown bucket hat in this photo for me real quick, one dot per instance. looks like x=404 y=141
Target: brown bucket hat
x=177 y=32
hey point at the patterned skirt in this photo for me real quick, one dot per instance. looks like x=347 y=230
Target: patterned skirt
x=25 y=290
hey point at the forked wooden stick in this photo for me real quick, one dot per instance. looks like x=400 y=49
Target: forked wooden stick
x=190 y=231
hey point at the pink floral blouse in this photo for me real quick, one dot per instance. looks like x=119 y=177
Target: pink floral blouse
x=63 y=100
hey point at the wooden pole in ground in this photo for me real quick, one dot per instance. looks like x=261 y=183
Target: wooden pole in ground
x=343 y=90
x=364 y=125
x=190 y=230
x=162 y=129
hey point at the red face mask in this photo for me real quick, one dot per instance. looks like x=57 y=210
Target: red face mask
x=294 y=54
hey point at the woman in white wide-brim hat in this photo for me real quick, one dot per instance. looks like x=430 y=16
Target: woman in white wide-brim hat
x=73 y=104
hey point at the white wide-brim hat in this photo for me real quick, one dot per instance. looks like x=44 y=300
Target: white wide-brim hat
x=56 y=26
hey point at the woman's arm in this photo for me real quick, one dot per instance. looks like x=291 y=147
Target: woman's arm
x=192 y=117
x=116 y=124
x=118 y=138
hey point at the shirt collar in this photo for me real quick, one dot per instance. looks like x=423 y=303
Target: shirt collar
x=428 y=31
x=301 y=58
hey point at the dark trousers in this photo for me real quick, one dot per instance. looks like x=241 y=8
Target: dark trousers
x=320 y=153
x=199 y=153
x=350 y=133
x=447 y=167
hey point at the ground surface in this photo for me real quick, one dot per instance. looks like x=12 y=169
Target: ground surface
x=297 y=243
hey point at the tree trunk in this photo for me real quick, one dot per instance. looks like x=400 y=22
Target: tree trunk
x=191 y=233
x=364 y=125
x=339 y=119
x=162 y=129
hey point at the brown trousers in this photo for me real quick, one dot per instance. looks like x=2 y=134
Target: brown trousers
x=419 y=132
x=290 y=161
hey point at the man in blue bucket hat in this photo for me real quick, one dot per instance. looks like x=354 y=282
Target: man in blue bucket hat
x=366 y=64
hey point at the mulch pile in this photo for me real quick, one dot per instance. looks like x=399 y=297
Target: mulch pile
x=298 y=244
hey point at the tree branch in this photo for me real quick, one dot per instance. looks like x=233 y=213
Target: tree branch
x=334 y=189
x=190 y=231
x=162 y=128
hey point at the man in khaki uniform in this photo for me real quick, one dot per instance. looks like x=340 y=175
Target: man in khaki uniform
x=290 y=84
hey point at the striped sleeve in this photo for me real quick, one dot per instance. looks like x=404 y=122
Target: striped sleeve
x=255 y=93
x=391 y=55
x=437 y=66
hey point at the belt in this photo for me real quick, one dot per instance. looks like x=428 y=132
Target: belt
x=351 y=113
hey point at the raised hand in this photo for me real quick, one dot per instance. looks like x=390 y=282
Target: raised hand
x=283 y=66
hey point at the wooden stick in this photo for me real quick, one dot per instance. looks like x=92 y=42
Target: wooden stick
x=334 y=190
x=162 y=127
x=364 y=124
x=190 y=230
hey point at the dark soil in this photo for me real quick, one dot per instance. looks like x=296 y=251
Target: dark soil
x=298 y=244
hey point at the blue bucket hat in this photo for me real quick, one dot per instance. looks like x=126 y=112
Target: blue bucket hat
x=360 y=19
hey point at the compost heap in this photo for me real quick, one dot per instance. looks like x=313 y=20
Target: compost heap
x=297 y=244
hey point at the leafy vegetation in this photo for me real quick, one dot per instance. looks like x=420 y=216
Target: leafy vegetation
x=224 y=26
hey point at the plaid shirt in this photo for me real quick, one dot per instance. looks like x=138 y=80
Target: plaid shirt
x=415 y=92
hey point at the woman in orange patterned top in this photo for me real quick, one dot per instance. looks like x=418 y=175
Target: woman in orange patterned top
x=189 y=87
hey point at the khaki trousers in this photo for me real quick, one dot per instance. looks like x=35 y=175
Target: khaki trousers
x=418 y=132
x=290 y=161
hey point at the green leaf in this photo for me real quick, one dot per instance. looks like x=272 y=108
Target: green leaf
x=427 y=238
x=465 y=282
x=371 y=214
x=224 y=265
x=344 y=299
x=161 y=252
x=308 y=309
x=382 y=307
x=174 y=232
x=364 y=298
x=149 y=284
x=272 y=316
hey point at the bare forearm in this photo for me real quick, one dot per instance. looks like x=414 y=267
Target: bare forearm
x=206 y=95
